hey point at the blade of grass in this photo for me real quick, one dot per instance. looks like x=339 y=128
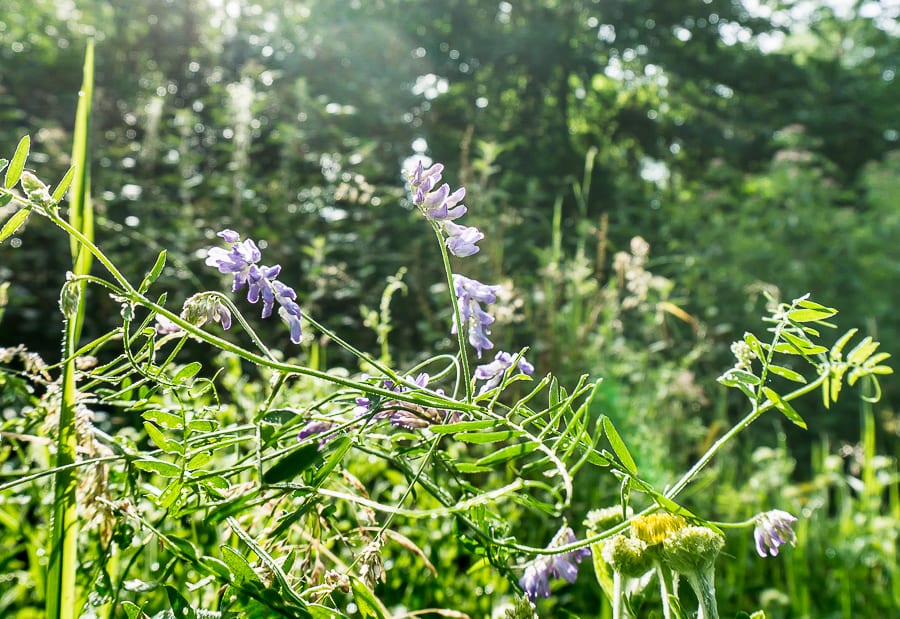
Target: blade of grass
x=81 y=211
x=62 y=600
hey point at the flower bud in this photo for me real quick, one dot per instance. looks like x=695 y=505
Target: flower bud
x=691 y=549
x=628 y=555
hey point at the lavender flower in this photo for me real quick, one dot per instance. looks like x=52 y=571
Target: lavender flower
x=461 y=239
x=494 y=371
x=317 y=427
x=241 y=260
x=536 y=579
x=442 y=207
x=773 y=529
x=470 y=295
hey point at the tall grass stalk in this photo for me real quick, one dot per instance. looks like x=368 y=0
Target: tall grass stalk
x=61 y=590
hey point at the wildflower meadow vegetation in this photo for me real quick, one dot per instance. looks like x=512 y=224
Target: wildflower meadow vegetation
x=502 y=428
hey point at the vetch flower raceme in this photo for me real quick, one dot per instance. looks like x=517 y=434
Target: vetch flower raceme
x=773 y=529
x=470 y=295
x=536 y=579
x=205 y=307
x=494 y=371
x=241 y=260
x=443 y=206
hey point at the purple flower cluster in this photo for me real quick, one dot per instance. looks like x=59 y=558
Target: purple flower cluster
x=317 y=426
x=773 y=529
x=406 y=414
x=442 y=206
x=470 y=295
x=494 y=371
x=241 y=259
x=536 y=579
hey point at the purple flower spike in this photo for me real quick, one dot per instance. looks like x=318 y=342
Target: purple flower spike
x=494 y=371
x=773 y=529
x=443 y=206
x=536 y=579
x=241 y=260
x=470 y=295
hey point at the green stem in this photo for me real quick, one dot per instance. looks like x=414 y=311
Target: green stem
x=618 y=598
x=666 y=588
x=734 y=431
x=457 y=319
x=704 y=586
x=61 y=595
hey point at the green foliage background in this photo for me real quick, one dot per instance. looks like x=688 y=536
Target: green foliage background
x=576 y=126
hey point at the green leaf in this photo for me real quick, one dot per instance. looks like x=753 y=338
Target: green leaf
x=5 y=199
x=168 y=420
x=238 y=565
x=739 y=376
x=838 y=347
x=133 y=610
x=786 y=373
x=160 y=467
x=618 y=445
x=63 y=186
x=159 y=439
x=154 y=272
x=182 y=546
x=293 y=464
x=3 y=163
x=812 y=306
x=14 y=223
x=808 y=315
x=199 y=459
x=862 y=351
x=464 y=426
x=801 y=346
x=876 y=359
x=755 y=345
x=368 y=604
x=14 y=171
x=469 y=468
x=279 y=417
x=338 y=448
x=317 y=611
x=487 y=437
x=784 y=406
x=203 y=425
x=596 y=459
x=216 y=566
x=509 y=452
x=180 y=606
x=187 y=372
x=171 y=494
